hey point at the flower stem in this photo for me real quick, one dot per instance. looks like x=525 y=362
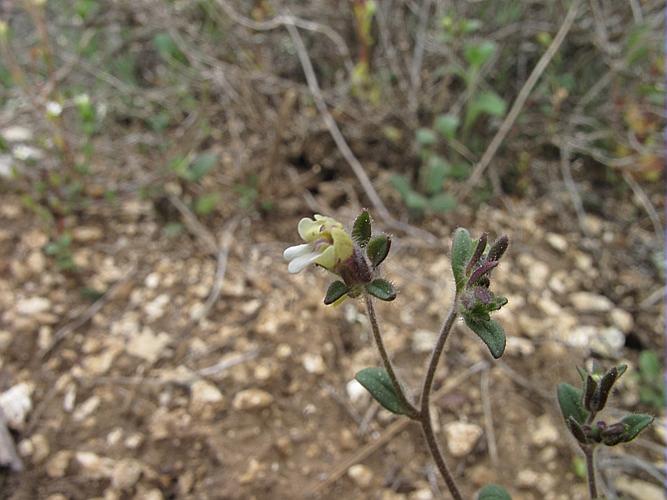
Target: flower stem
x=589 y=452
x=425 y=413
x=386 y=360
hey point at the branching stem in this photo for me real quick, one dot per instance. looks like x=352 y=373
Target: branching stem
x=423 y=415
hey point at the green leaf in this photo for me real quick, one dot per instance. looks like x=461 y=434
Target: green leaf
x=493 y=492
x=649 y=365
x=434 y=174
x=377 y=382
x=401 y=184
x=447 y=125
x=569 y=400
x=206 y=203
x=491 y=333
x=381 y=289
x=443 y=202
x=476 y=54
x=200 y=166
x=378 y=249
x=361 y=230
x=416 y=201
x=634 y=424
x=335 y=291
x=426 y=137
x=488 y=103
x=462 y=249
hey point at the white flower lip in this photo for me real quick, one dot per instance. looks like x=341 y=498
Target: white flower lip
x=296 y=251
x=301 y=262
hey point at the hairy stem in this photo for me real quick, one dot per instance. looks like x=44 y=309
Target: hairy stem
x=385 y=358
x=589 y=452
x=425 y=412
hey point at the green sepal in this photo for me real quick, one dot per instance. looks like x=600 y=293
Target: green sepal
x=361 y=230
x=377 y=382
x=493 y=492
x=576 y=430
x=381 y=289
x=491 y=333
x=570 y=402
x=378 y=249
x=335 y=291
x=462 y=250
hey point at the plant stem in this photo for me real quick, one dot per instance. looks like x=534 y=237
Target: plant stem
x=589 y=452
x=386 y=360
x=425 y=413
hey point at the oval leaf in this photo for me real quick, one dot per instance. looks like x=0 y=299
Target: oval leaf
x=381 y=289
x=378 y=249
x=462 y=249
x=491 y=333
x=569 y=400
x=377 y=382
x=361 y=230
x=634 y=424
x=335 y=291
x=493 y=492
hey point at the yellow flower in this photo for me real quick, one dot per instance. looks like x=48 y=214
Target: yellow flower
x=327 y=244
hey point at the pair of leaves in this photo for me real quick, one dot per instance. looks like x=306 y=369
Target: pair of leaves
x=377 y=247
x=418 y=203
x=378 y=383
x=378 y=288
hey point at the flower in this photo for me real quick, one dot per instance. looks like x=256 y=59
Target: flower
x=327 y=245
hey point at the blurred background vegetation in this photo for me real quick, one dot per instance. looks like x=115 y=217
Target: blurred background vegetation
x=209 y=111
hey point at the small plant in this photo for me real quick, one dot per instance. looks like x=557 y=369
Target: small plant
x=580 y=407
x=356 y=258
x=452 y=131
x=651 y=383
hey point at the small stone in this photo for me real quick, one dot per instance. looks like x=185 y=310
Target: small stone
x=462 y=437
x=155 y=309
x=590 y=302
x=126 y=473
x=57 y=496
x=608 y=341
x=361 y=475
x=314 y=363
x=36 y=262
x=16 y=403
x=57 y=466
x=16 y=133
x=518 y=346
x=153 y=494
x=622 y=320
x=152 y=280
x=423 y=341
x=421 y=494
x=355 y=391
x=252 y=399
x=544 y=432
x=40 y=448
x=538 y=274
x=33 y=305
x=147 y=345
x=94 y=466
x=203 y=393
x=133 y=441
x=527 y=478
x=556 y=241
x=86 y=409
x=87 y=234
